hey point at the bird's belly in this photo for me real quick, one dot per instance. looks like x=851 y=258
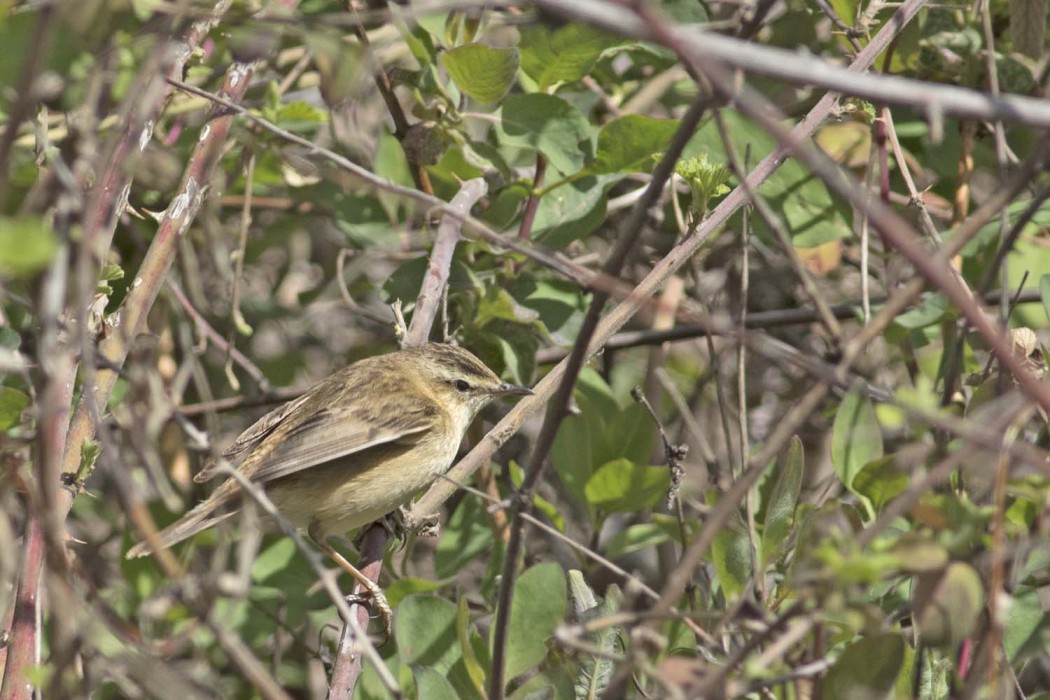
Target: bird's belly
x=341 y=496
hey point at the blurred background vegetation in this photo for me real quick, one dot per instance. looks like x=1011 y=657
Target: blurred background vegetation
x=893 y=541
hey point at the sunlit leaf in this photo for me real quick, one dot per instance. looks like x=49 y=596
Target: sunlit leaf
x=627 y=144
x=539 y=605
x=623 y=486
x=564 y=55
x=482 y=72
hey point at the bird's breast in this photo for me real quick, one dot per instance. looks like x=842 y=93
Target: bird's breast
x=348 y=493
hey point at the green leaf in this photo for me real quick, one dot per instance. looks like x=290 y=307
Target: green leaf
x=553 y=683
x=948 y=604
x=731 y=555
x=556 y=301
x=404 y=283
x=545 y=124
x=482 y=72
x=26 y=246
x=868 y=668
x=111 y=272
x=621 y=486
x=780 y=511
x=563 y=56
x=425 y=630
x=594 y=672
x=686 y=11
x=570 y=212
x=467 y=534
x=497 y=304
x=432 y=684
x=538 y=607
x=364 y=221
x=627 y=144
x=880 y=481
x=630 y=435
x=406 y=586
x=12 y=403
x=273 y=560
x=470 y=660
x=808 y=210
x=855 y=437
x=637 y=538
x=1027 y=628
x=933 y=309
x=572 y=454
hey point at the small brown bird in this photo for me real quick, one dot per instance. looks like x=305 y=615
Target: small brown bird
x=355 y=446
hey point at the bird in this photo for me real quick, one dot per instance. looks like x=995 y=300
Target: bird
x=356 y=446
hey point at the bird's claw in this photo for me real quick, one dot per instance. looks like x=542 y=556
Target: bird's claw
x=373 y=600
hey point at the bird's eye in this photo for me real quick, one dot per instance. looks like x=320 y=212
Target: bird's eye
x=461 y=385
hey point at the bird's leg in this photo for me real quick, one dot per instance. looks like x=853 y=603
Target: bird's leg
x=400 y=523
x=376 y=599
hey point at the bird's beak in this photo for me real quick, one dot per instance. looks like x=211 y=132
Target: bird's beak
x=512 y=390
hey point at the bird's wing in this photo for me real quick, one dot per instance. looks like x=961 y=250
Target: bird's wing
x=332 y=434
x=251 y=437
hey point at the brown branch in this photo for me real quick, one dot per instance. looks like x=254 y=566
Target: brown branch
x=429 y=299
x=555 y=262
x=216 y=339
x=533 y=204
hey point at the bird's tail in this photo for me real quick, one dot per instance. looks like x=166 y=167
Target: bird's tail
x=200 y=518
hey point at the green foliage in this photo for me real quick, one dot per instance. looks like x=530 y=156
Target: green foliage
x=627 y=144
x=547 y=125
x=12 y=403
x=562 y=56
x=856 y=438
x=621 y=486
x=731 y=556
x=706 y=180
x=888 y=556
x=26 y=246
x=539 y=606
x=482 y=72
x=425 y=631
x=812 y=216
x=869 y=668
x=783 y=500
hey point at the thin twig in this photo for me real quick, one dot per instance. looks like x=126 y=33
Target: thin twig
x=212 y=335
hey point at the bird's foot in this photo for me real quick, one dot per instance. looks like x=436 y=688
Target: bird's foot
x=371 y=597
x=425 y=526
